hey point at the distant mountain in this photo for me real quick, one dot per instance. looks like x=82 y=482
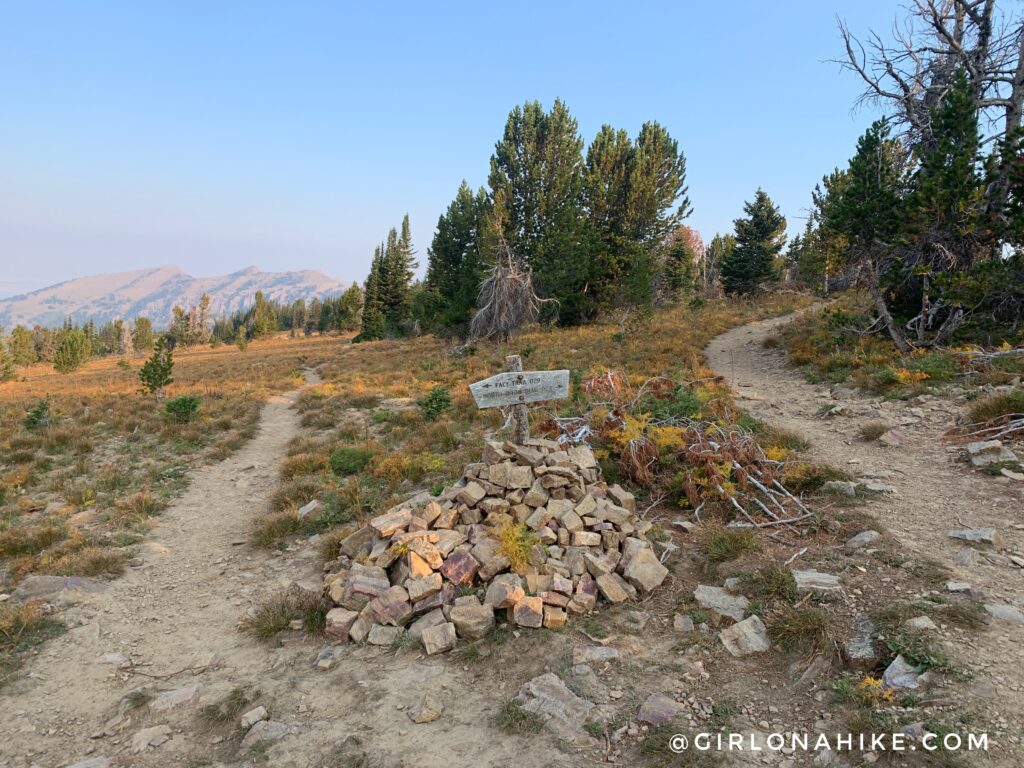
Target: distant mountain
x=153 y=292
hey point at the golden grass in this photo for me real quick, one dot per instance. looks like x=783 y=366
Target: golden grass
x=109 y=459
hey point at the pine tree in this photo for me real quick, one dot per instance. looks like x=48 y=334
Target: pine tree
x=73 y=350
x=262 y=320
x=397 y=268
x=455 y=264
x=6 y=366
x=142 y=334
x=760 y=236
x=155 y=373
x=373 y=321
x=678 y=266
x=536 y=179
x=350 y=306
x=22 y=347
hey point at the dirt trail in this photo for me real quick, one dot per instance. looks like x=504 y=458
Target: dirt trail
x=182 y=602
x=932 y=494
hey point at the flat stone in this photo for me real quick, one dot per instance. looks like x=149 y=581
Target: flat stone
x=387 y=525
x=150 y=737
x=438 y=639
x=392 y=607
x=460 y=568
x=900 y=674
x=264 y=731
x=861 y=540
x=611 y=589
x=1005 y=612
x=339 y=622
x=383 y=635
x=566 y=713
x=892 y=438
x=424 y=587
x=360 y=540
x=658 y=709
x=815 y=581
x=989 y=536
x=472 y=621
x=720 y=603
x=327 y=659
x=682 y=623
x=529 y=612
x=859 y=651
x=593 y=654
x=92 y=762
x=363 y=584
x=253 y=716
x=987 y=452
x=840 y=487
x=554 y=617
x=622 y=497
x=958 y=586
x=49 y=588
x=188 y=694
x=504 y=591
x=471 y=494
x=431 y=619
x=745 y=637
x=307 y=509
x=644 y=571
x=920 y=624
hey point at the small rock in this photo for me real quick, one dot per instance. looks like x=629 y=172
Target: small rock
x=682 y=623
x=260 y=732
x=1005 y=612
x=861 y=540
x=427 y=711
x=566 y=713
x=720 y=602
x=988 y=536
x=150 y=737
x=745 y=637
x=815 y=581
x=188 y=694
x=529 y=612
x=958 y=586
x=439 y=639
x=658 y=709
x=921 y=623
x=900 y=674
x=840 y=487
x=253 y=716
x=308 y=509
x=644 y=571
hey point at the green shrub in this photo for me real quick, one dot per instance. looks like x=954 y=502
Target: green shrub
x=438 y=401
x=73 y=349
x=38 y=416
x=183 y=409
x=348 y=461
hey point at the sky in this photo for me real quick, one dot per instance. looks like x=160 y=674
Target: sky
x=219 y=135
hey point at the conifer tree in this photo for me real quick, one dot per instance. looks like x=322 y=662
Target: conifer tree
x=73 y=350
x=760 y=236
x=142 y=334
x=373 y=321
x=455 y=265
x=155 y=373
x=6 y=365
x=22 y=347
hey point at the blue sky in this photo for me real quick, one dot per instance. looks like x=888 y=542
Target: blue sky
x=217 y=135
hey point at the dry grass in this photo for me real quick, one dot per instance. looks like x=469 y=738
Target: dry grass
x=74 y=488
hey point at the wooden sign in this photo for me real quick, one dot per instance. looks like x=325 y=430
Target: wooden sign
x=519 y=388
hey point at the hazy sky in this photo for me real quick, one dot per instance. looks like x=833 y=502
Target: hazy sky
x=217 y=135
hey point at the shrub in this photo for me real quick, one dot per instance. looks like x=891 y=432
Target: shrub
x=727 y=543
x=183 y=409
x=349 y=460
x=38 y=416
x=996 y=406
x=873 y=430
x=277 y=614
x=801 y=628
x=438 y=401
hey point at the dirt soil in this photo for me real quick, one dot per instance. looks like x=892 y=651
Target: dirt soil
x=178 y=608
x=933 y=492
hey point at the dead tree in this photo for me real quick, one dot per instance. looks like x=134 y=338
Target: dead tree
x=913 y=73
x=506 y=300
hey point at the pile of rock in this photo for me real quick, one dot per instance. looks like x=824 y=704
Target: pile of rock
x=532 y=532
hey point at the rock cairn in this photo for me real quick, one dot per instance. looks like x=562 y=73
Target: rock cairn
x=531 y=533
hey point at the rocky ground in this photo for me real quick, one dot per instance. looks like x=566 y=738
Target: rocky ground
x=128 y=684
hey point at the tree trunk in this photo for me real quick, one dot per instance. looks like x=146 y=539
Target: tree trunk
x=899 y=339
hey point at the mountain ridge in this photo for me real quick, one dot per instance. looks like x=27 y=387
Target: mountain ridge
x=154 y=291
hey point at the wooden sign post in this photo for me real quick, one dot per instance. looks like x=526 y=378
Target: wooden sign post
x=517 y=387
